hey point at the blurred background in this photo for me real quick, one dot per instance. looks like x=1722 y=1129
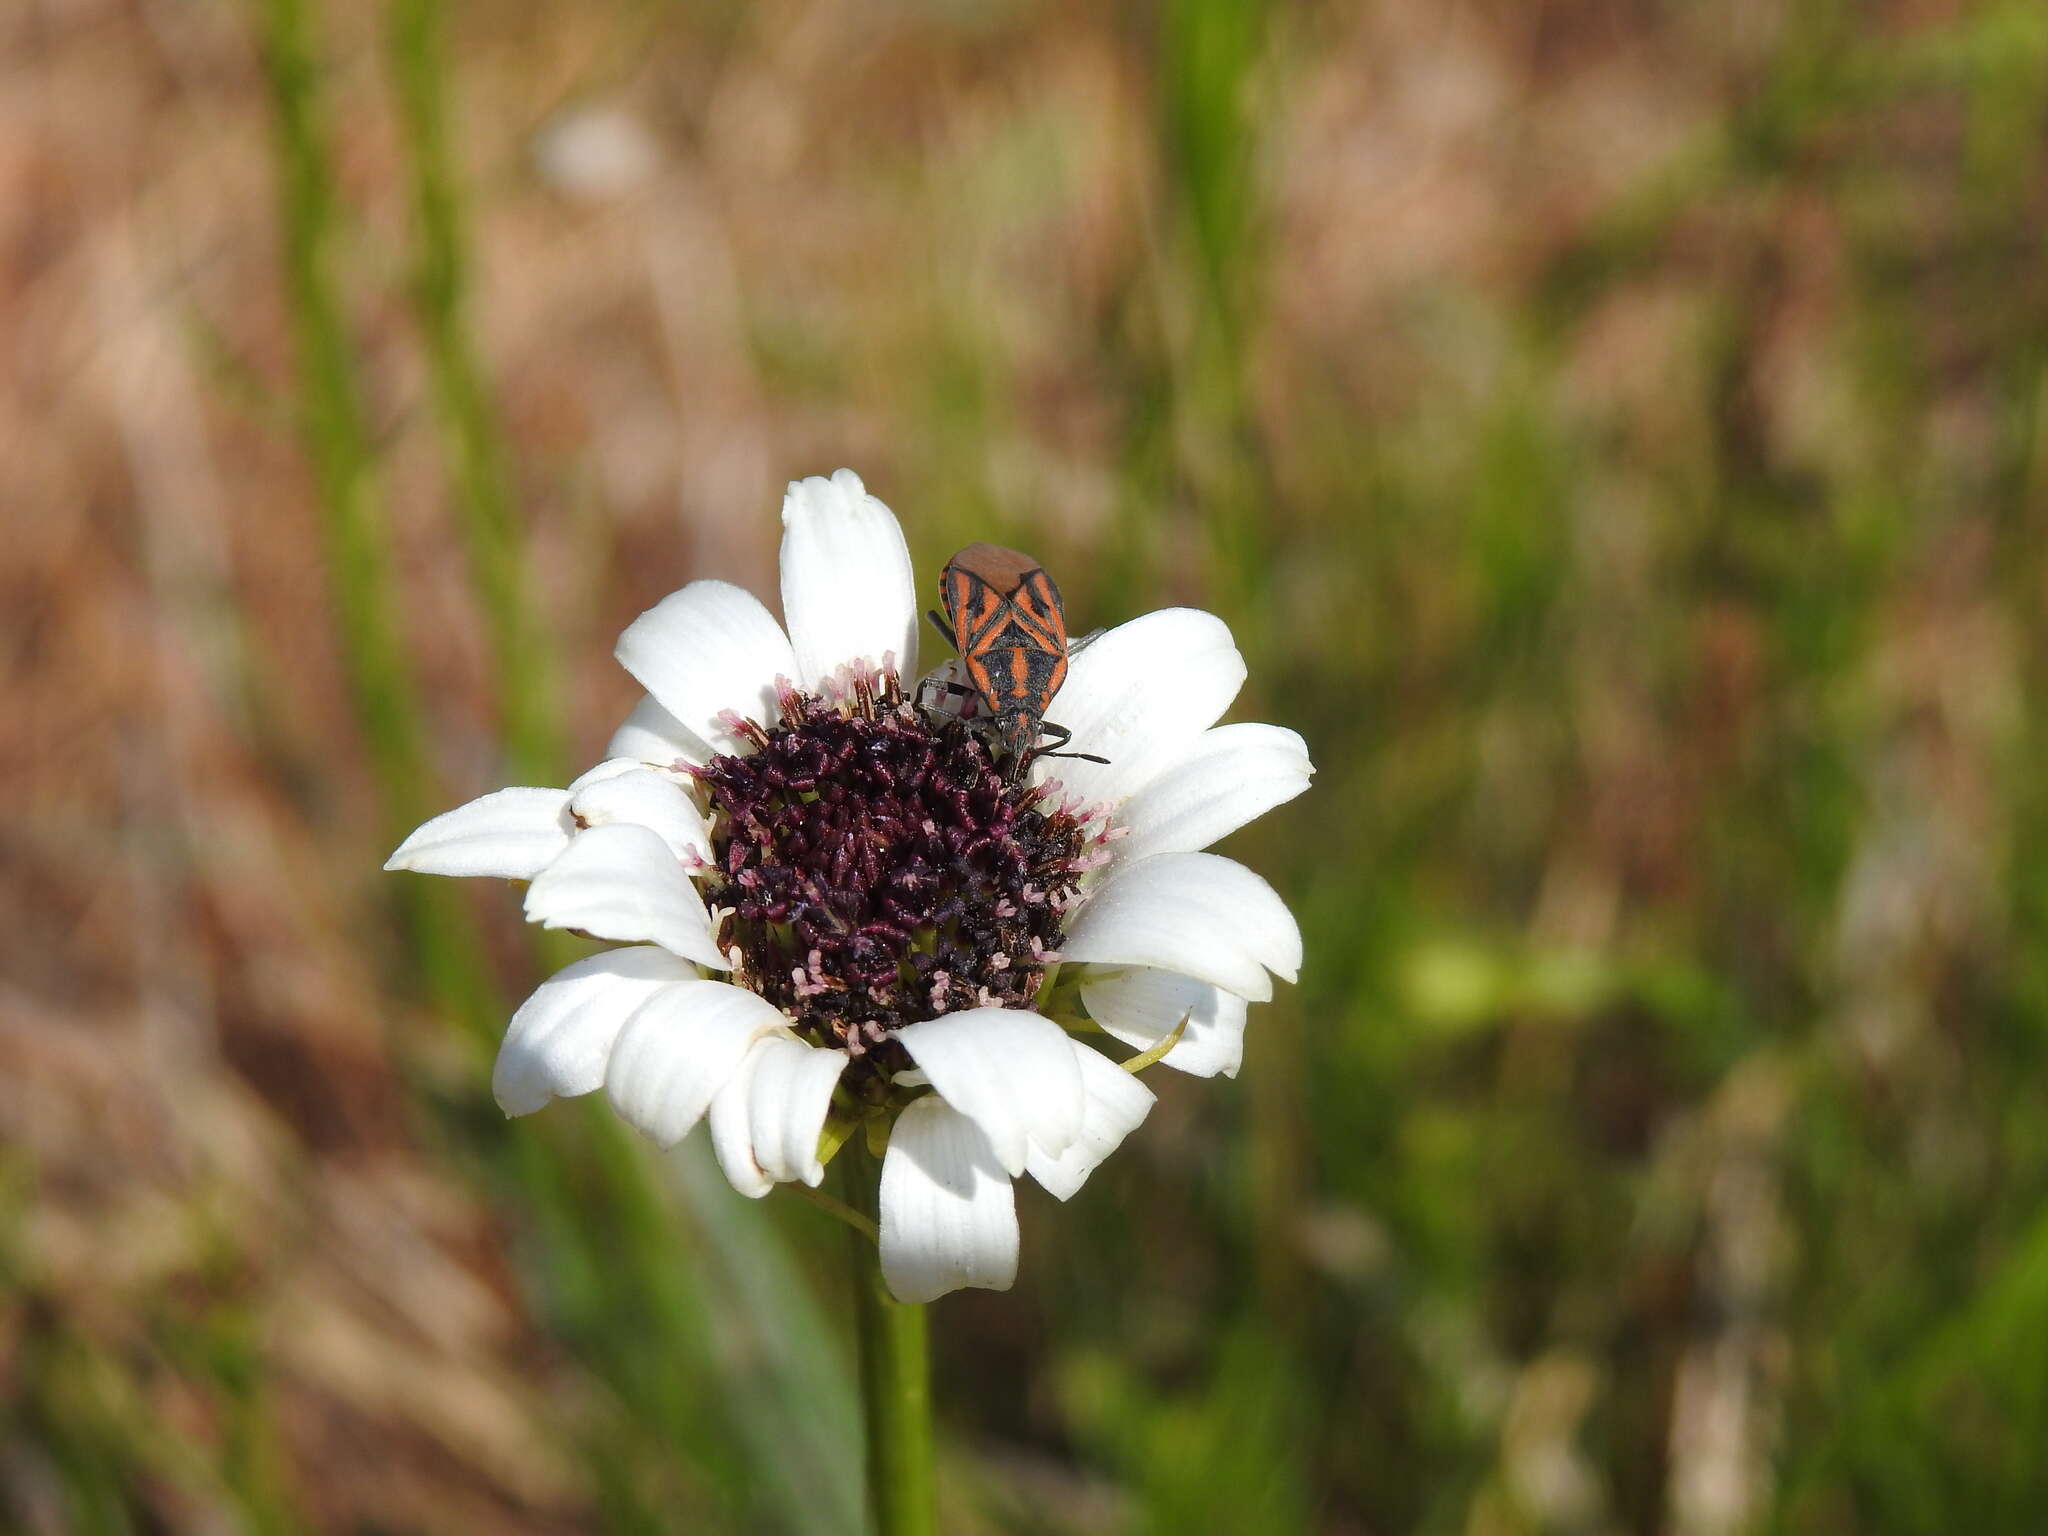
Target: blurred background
x=1615 y=430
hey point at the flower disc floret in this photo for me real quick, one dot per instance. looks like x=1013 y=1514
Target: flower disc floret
x=877 y=869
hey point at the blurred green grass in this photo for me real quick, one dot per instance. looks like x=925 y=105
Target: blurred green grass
x=1616 y=442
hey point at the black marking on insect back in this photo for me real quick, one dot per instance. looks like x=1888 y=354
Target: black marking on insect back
x=1036 y=681
x=881 y=868
x=1015 y=635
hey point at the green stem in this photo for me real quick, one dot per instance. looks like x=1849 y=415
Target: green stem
x=475 y=441
x=895 y=1379
x=336 y=429
x=340 y=444
x=839 y=1210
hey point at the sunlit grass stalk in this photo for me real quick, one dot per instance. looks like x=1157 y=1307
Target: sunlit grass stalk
x=333 y=423
x=895 y=1374
x=613 y=1259
x=339 y=444
x=1210 y=53
x=639 y=1319
x=475 y=441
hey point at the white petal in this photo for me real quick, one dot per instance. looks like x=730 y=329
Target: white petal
x=684 y=1045
x=511 y=834
x=1139 y=695
x=610 y=768
x=621 y=882
x=1230 y=775
x=791 y=1095
x=732 y=1130
x=645 y=797
x=1114 y=1103
x=652 y=735
x=949 y=1215
x=707 y=649
x=1196 y=913
x=765 y=1122
x=1141 y=1007
x=1011 y=1073
x=846 y=584
x=562 y=1036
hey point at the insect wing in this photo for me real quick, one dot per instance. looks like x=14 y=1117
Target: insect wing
x=956 y=590
x=1036 y=606
x=1041 y=617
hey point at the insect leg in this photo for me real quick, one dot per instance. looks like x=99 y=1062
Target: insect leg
x=957 y=690
x=1060 y=737
x=942 y=626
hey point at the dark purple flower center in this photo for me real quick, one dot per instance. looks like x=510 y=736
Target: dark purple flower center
x=881 y=871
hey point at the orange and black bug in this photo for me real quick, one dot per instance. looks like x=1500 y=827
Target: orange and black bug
x=1011 y=633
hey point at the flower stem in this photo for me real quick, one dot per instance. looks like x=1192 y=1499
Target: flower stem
x=895 y=1378
x=839 y=1210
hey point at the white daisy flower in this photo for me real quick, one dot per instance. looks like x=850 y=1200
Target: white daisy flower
x=841 y=913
